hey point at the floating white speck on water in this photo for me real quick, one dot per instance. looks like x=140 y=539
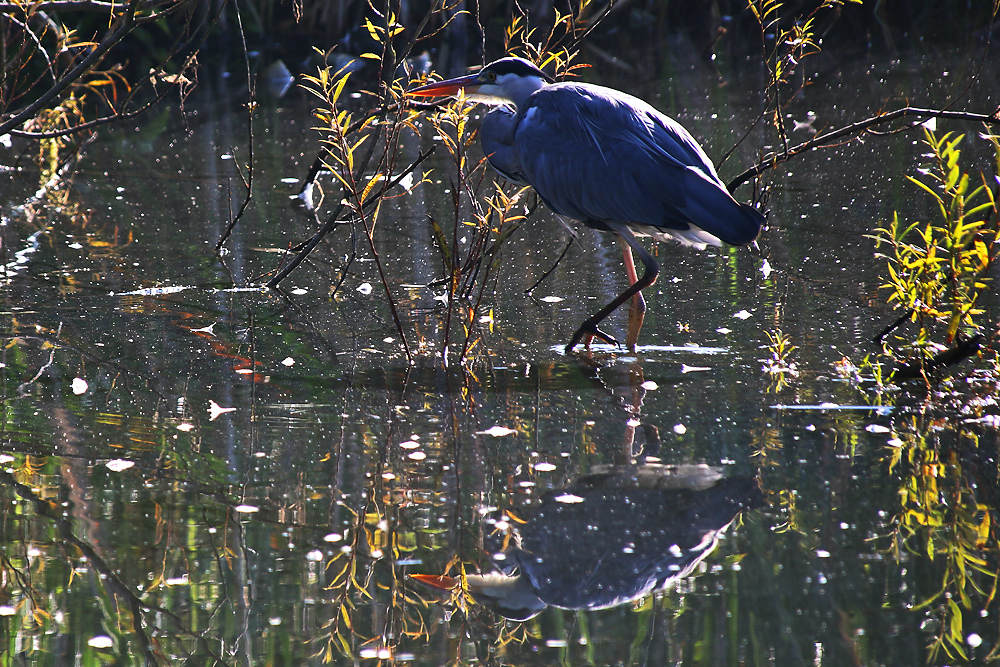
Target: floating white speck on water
x=185 y=427
x=568 y=498
x=365 y=288
x=497 y=431
x=406 y=182
x=80 y=386
x=649 y=385
x=766 y=269
x=552 y=299
x=974 y=640
x=117 y=465
x=742 y=315
x=691 y=369
x=246 y=509
x=332 y=537
x=214 y=410
x=155 y=291
x=724 y=331
x=876 y=428
x=544 y=467
x=287 y=361
x=101 y=641
x=680 y=429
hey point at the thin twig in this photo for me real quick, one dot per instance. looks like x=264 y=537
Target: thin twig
x=251 y=104
x=320 y=162
x=334 y=220
x=552 y=268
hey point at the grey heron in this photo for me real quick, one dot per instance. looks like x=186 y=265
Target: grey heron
x=607 y=159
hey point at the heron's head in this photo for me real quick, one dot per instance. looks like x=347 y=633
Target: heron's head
x=504 y=81
x=508 y=595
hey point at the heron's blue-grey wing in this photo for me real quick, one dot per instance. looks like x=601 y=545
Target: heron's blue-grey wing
x=596 y=154
x=496 y=134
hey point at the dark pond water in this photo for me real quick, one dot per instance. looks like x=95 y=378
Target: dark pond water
x=198 y=470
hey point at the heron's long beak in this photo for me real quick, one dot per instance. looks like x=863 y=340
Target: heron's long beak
x=448 y=88
x=436 y=582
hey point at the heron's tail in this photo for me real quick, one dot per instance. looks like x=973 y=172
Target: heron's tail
x=710 y=207
x=749 y=227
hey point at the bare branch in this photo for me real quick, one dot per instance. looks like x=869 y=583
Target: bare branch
x=835 y=137
x=127 y=21
x=63 y=5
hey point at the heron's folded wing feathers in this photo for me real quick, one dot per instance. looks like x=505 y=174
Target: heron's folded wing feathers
x=593 y=153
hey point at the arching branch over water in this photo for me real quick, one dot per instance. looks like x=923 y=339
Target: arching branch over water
x=848 y=132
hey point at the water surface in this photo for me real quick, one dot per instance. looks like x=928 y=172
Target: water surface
x=194 y=470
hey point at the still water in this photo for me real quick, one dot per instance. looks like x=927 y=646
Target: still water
x=199 y=471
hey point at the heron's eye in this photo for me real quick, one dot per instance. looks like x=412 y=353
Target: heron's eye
x=491 y=76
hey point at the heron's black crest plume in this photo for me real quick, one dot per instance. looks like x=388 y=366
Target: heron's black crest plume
x=518 y=67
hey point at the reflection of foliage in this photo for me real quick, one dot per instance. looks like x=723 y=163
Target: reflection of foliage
x=779 y=364
x=364 y=564
x=942 y=518
x=937 y=270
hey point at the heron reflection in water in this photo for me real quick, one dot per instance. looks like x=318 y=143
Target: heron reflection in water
x=607 y=159
x=610 y=538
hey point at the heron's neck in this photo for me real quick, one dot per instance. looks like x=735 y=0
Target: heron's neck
x=520 y=90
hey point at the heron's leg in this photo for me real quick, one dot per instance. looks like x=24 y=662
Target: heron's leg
x=637 y=311
x=589 y=327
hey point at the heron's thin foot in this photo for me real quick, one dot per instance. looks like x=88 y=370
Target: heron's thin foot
x=590 y=331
